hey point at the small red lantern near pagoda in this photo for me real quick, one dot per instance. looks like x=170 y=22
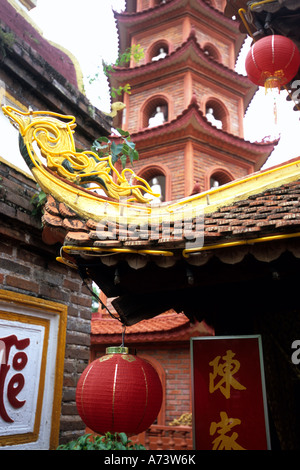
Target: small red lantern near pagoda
x=119 y=392
x=272 y=61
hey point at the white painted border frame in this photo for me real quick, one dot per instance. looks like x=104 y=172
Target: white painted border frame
x=20 y=304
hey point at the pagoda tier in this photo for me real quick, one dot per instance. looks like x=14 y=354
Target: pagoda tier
x=192 y=71
x=207 y=15
x=186 y=107
x=180 y=146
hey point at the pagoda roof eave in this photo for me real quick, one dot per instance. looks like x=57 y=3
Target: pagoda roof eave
x=192 y=50
x=127 y=21
x=173 y=5
x=193 y=119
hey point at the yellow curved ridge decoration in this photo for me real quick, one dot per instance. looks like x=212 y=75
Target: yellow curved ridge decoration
x=52 y=134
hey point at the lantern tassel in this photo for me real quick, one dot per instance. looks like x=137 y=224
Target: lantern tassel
x=275 y=111
x=273 y=81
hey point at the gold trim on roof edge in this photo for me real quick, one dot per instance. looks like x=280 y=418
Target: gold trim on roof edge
x=54 y=134
x=51 y=135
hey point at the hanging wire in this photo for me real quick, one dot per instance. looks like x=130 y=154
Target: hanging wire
x=123 y=336
x=83 y=275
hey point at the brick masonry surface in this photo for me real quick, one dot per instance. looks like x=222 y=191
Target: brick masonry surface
x=28 y=266
x=176 y=364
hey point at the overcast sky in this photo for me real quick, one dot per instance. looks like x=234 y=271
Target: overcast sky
x=88 y=30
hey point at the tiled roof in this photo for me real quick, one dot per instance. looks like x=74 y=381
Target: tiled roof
x=169 y=326
x=167 y=321
x=257 y=218
x=271 y=212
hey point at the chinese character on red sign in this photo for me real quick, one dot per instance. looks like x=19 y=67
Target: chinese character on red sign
x=13 y=360
x=229 y=409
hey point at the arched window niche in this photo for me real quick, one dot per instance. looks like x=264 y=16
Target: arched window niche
x=216 y=113
x=211 y=3
x=155 y=3
x=155 y=112
x=158 y=179
x=218 y=177
x=211 y=51
x=152 y=4
x=159 y=50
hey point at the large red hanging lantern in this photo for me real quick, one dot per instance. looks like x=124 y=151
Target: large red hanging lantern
x=119 y=392
x=272 y=61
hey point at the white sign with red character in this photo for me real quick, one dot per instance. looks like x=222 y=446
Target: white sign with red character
x=32 y=345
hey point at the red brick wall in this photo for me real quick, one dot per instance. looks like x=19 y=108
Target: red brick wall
x=143 y=4
x=176 y=364
x=205 y=35
x=205 y=163
x=172 y=33
x=28 y=266
x=172 y=91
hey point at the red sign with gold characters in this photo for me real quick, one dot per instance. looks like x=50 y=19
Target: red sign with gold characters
x=229 y=398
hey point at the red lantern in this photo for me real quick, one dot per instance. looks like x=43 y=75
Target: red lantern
x=119 y=392
x=272 y=61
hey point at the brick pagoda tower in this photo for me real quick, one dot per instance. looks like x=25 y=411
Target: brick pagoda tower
x=185 y=115
x=186 y=107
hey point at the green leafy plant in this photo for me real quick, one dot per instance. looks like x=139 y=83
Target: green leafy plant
x=136 y=53
x=38 y=201
x=6 y=40
x=126 y=149
x=119 y=91
x=103 y=146
x=116 y=441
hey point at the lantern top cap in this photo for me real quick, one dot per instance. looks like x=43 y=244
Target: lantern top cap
x=117 y=350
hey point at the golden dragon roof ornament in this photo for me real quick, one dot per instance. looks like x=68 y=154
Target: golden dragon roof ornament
x=52 y=134
x=49 y=136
